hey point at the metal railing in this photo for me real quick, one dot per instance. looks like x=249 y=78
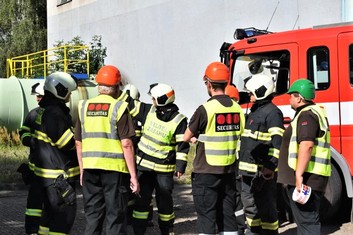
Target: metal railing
x=67 y=58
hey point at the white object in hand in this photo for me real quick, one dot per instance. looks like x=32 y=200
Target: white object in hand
x=303 y=196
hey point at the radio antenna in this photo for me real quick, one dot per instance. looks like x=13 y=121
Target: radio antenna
x=272 y=16
x=296 y=21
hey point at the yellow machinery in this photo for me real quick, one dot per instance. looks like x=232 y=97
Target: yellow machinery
x=24 y=71
x=39 y=64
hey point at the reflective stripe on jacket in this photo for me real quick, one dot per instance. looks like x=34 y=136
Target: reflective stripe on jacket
x=54 y=151
x=261 y=139
x=320 y=162
x=101 y=146
x=158 y=137
x=222 y=134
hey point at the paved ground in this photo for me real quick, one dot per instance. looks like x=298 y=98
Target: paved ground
x=12 y=205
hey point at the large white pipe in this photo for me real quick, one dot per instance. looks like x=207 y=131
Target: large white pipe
x=16 y=99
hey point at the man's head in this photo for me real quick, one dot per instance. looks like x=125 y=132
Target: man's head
x=38 y=90
x=108 y=75
x=161 y=94
x=60 y=84
x=301 y=92
x=260 y=87
x=216 y=78
x=108 y=79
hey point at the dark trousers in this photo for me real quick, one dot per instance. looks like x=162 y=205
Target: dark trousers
x=34 y=205
x=214 y=199
x=130 y=209
x=307 y=216
x=105 y=196
x=163 y=185
x=239 y=208
x=57 y=217
x=260 y=204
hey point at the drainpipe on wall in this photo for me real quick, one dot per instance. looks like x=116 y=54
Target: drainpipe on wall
x=347 y=10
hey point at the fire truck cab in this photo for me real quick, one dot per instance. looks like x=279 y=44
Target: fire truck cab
x=322 y=54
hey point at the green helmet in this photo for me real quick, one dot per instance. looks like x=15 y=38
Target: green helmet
x=304 y=87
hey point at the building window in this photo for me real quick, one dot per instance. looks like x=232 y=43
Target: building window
x=62 y=2
x=319 y=67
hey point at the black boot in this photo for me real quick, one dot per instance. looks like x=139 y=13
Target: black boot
x=139 y=230
x=166 y=231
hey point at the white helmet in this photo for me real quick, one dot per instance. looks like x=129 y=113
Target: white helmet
x=162 y=93
x=255 y=66
x=260 y=85
x=60 y=84
x=38 y=89
x=132 y=91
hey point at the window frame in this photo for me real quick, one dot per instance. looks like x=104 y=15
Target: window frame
x=318 y=58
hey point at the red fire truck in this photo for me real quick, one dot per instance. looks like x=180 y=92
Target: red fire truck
x=322 y=54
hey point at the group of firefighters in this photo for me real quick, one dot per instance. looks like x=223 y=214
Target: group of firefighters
x=123 y=150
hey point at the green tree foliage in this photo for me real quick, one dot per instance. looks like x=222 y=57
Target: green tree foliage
x=73 y=56
x=97 y=54
x=23 y=28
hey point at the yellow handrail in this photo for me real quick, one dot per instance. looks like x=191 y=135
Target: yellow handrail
x=41 y=63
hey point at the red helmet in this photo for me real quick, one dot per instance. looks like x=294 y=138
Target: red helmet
x=217 y=72
x=232 y=92
x=108 y=75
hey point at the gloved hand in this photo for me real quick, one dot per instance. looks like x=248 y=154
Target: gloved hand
x=65 y=190
x=26 y=173
x=257 y=183
x=33 y=143
x=267 y=174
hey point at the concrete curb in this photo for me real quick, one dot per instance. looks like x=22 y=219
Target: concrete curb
x=12 y=189
x=12 y=186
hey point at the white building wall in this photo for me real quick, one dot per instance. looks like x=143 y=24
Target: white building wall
x=172 y=41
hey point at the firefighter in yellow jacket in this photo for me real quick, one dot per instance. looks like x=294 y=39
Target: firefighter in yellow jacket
x=133 y=92
x=161 y=153
x=258 y=157
x=35 y=193
x=54 y=155
x=106 y=155
x=305 y=157
x=217 y=124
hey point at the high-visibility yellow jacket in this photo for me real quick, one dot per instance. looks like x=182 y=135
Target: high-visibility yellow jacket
x=158 y=140
x=101 y=146
x=222 y=134
x=320 y=162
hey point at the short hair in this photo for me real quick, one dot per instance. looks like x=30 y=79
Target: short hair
x=216 y=85
x=296 y=94
x=107 y=90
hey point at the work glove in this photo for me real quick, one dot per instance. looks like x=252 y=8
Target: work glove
x=27 y=174
x=65 y=190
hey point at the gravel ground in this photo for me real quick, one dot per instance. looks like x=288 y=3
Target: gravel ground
x=12 y=205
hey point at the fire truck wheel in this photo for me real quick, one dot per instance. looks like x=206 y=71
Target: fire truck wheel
x=331 y=202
